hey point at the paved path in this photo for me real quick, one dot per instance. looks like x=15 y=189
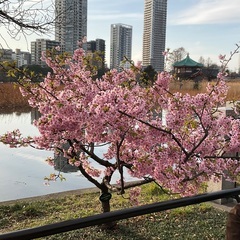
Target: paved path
x=225 y=207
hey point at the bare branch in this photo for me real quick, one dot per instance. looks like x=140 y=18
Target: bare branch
x=117 y=188
x=26 y=17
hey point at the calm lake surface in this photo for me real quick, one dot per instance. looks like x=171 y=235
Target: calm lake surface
x=22 y=170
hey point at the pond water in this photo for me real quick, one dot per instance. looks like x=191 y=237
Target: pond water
x=22 y=170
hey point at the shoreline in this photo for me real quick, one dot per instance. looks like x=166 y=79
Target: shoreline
x=54 y=195
x=51 y=195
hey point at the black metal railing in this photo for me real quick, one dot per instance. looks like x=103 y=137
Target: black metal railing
x=99 y=219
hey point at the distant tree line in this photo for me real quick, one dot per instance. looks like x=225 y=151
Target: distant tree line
x=39 y=73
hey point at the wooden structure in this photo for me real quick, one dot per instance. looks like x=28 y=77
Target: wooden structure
x=187 y=68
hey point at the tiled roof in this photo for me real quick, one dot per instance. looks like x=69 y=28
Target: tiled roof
x=187 y=62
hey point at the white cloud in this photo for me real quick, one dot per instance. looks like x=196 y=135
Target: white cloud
x=209 y=12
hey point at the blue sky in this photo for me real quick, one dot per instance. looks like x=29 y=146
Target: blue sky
x=204 y=28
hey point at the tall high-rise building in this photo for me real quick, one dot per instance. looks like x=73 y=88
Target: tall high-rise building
x=154 y=33
x=71 y=23
x=120 y=45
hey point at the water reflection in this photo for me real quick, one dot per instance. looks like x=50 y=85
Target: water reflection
x=35 y=115
x=22 y=170
x=61 y=164
x=18 y=110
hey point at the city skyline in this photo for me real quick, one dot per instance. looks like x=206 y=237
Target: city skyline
x=204 y=28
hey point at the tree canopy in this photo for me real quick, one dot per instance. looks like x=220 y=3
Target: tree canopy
x=177 y=140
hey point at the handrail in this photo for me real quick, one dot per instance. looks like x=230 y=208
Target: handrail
x=99 y=219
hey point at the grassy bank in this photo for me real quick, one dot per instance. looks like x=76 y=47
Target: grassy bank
x=190 y=87
x=11 y=99
x=193 y=222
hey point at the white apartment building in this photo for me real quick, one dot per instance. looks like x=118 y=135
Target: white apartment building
x=71 y=23
x=39 y=46
x=21 y=57
x=120 y=45
x=154 y=33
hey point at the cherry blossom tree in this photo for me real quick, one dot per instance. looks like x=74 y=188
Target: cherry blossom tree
x=177 y=140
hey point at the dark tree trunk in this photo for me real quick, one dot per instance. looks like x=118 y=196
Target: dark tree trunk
x=106 y=206
x=105 y=201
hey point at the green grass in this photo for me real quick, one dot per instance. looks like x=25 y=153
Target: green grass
x=200 y=222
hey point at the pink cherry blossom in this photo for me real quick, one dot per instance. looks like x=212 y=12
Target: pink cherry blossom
x=165 y=53
x=175 y=139
x=222 y=57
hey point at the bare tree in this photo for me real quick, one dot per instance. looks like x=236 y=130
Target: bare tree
x=26 y=16
x=175 y=56
x=201 y=60
x=210 y=69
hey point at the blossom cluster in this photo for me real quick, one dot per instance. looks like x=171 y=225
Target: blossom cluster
x=79 y=113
